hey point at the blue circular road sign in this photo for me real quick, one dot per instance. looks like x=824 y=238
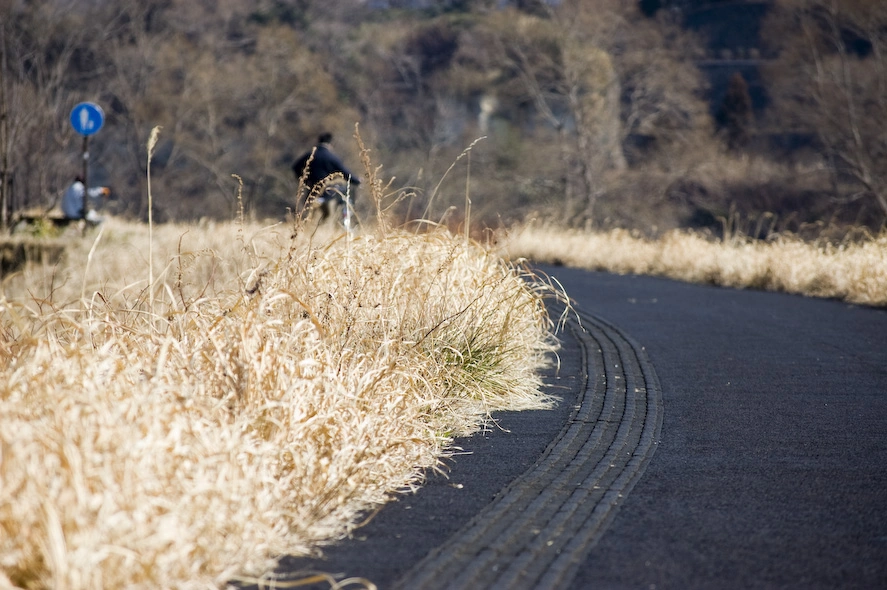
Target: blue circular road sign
x=87 y=118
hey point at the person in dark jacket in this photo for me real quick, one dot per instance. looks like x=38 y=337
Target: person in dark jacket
x=322 y=174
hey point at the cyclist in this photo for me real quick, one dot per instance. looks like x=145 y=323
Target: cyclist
x=323 y=175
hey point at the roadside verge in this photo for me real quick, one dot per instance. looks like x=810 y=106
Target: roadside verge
x=540 y=527
x=529 y=498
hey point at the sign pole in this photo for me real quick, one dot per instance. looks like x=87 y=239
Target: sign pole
x=86 y=119
x=85 y=176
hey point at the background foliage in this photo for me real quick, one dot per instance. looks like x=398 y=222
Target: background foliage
x=650 y=115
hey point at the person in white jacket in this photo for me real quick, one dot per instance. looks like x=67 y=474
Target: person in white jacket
x=73 y=205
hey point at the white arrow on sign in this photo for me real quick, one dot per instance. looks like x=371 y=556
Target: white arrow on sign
x=87 y=118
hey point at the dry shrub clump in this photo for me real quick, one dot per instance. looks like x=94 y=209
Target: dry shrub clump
x=853 y=271
x=254 y=401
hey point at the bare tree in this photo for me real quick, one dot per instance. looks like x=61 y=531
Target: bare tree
x=831 y=80
x=599 y=73
x=569 y=82
x=663 y=90
x=5 y=147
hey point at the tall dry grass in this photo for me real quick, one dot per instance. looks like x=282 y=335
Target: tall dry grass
x=852 y=270
x=176 y=410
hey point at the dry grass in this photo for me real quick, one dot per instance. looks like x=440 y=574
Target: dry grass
x=254 y=401
x=853 y=271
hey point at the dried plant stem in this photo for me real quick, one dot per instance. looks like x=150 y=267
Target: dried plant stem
x=468 y=198
x=152 y=142
x=445 y=174
x=89 y=258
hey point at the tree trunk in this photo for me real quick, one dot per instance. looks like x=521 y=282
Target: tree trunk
x=4 y=135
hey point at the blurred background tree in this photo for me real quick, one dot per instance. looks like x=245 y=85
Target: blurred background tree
x=831 y=81
x=735 y=116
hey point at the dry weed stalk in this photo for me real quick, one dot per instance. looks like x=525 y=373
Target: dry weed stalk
x=152 y=143
x=853 y=271
x=257 y=405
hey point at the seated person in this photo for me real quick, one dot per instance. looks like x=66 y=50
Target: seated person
x=72 y=201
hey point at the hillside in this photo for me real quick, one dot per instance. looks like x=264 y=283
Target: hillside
x=601 y=112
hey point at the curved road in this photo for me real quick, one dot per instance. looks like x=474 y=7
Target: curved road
x=708 y=438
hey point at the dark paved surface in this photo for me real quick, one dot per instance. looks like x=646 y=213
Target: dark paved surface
x=537 y=531
x=770 y=472
x=772 y=467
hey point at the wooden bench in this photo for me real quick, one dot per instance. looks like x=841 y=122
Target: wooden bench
x=36 y=215
x=54 y=217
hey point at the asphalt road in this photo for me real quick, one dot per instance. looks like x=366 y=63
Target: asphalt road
x=744 y=446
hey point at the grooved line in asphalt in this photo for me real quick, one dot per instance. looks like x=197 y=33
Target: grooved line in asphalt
x=538 y=529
